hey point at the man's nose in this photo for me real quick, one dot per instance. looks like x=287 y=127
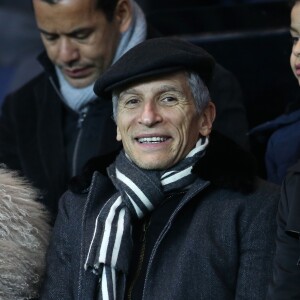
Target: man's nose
x=150 y=114
x=68 y=51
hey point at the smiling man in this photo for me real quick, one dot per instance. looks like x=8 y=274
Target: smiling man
x=179 y=214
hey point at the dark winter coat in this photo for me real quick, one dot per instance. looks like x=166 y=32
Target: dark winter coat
x=216 y=243
x=286 y=277
x=283 y=145
x=49 y=143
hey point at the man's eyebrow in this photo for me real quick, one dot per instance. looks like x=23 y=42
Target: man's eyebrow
x=79 y=30
x=161 y=89
x=131 y=91
x=72 y=33
x=45 y=31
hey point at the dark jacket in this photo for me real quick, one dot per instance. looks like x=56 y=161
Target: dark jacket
x=286 y=275
x=49 y=143
x=283 y=145
x=216 y=243
x=37 y=130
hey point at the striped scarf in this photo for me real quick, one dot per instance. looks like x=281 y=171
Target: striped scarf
x=139 y=192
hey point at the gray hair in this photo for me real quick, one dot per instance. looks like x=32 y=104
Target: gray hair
x=198 y=89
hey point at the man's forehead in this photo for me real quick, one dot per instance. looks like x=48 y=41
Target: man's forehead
x=67 y=2
x=62 y=1
x=167 y=82
x=66 y=16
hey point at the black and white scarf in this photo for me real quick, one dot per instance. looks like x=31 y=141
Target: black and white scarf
x=139 y=192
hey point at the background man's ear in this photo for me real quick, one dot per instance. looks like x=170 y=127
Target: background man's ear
x=207 y=118
x=123 y=14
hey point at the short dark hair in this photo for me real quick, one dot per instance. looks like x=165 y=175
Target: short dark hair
x=106 y=6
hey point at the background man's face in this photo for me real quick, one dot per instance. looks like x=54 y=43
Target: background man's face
x=77 y=38
x=157 y=121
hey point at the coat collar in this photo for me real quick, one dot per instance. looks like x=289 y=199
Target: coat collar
x=48 y=67
x=225 y=165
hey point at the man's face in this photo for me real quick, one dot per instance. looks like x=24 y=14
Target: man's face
x=78 y=38
x=157 y=121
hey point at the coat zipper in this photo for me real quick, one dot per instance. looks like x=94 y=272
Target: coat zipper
x=80 y=122
x=81 y=119
x=82 y=258
x=141 y=258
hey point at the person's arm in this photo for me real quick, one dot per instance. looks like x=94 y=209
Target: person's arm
x=257 y=247
x=286 y=272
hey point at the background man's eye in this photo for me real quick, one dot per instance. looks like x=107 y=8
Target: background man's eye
x=50 y=37
x=82 y=36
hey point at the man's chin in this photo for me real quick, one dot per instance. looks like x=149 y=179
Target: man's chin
x=152 y=165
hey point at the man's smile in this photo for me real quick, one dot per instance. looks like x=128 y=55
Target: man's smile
x=154 y=139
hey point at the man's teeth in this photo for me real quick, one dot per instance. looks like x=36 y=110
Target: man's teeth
x=152 y=140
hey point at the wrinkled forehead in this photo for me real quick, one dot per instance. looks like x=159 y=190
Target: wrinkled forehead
x=160 y=83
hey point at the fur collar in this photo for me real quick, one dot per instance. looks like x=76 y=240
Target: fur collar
x=225 y=165
x=24 y=236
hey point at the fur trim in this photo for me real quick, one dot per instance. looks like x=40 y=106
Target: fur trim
x=24 y=234
x=225 y=164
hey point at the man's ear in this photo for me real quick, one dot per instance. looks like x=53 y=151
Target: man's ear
x=119 y=138
x=206 y=119
x=123 y=14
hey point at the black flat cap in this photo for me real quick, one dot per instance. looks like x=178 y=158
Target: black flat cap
x=155 y=57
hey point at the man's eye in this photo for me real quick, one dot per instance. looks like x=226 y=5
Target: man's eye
x=50 y=37
x=169 y=100
x=82 y=36
x=131 y=102
x=294 y=39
